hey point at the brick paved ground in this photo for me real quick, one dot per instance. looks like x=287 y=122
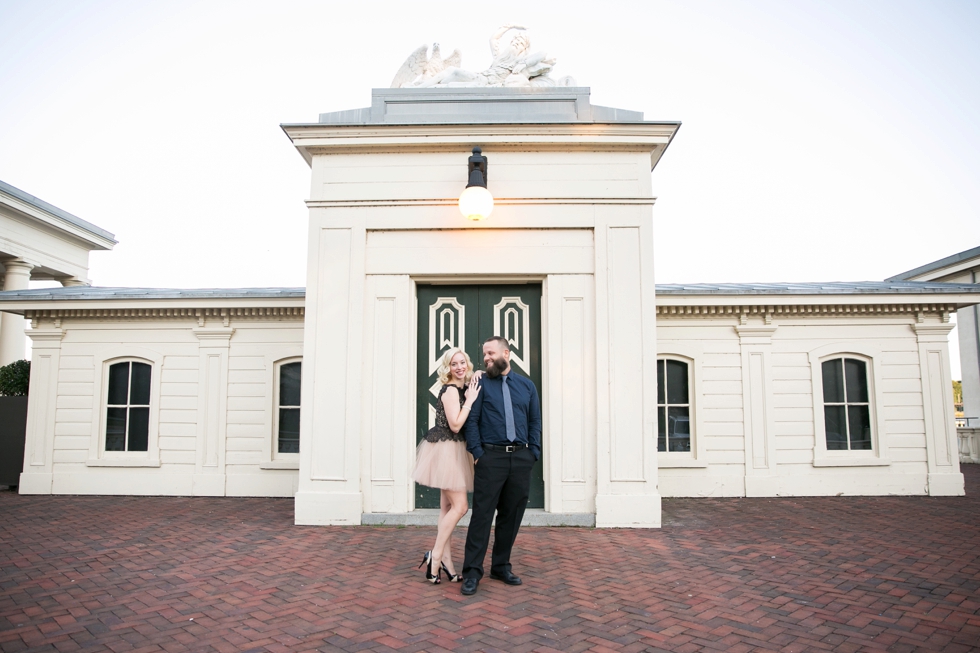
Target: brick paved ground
x=172 y=574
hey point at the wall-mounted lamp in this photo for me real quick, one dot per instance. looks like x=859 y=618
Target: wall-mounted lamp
x=476 y=202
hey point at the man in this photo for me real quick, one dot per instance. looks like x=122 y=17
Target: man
x=503 y=432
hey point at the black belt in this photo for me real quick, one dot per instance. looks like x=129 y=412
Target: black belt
x=508 y=448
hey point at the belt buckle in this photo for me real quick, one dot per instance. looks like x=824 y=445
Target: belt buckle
x=510 y=448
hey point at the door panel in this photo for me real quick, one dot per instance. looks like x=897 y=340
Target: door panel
x=465 y=316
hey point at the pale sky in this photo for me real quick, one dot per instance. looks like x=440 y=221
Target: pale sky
x=822 y=141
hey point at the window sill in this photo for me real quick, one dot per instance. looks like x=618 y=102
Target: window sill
x=122 y=462
x=280 y=464
x=665 y=462
x=851 y=462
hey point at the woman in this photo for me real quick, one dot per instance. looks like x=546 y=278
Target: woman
x=443 y=462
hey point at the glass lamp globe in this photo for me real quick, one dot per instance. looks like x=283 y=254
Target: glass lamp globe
x=476 y=203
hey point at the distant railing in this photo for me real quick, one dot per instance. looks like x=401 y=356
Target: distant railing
x=969 y=443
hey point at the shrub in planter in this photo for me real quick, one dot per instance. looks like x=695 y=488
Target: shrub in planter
x=15 y=378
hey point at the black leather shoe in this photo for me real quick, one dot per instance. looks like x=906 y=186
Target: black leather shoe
x=508 y=577
x=469 y=586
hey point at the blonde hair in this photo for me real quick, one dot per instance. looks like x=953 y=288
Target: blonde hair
x=445 y=371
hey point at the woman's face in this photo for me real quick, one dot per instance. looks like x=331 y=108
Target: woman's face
x=458 y=366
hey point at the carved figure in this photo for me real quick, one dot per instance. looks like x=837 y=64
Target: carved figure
x=513 y=65
x=421 y=66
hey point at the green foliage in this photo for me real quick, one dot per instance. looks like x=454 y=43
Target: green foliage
x=15 y=378
x=957 y=392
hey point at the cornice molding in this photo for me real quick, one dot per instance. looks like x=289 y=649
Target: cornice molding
x=769 y=312
x=513 y=201
x=199 y=314
x=325 y=134
x=324 y=139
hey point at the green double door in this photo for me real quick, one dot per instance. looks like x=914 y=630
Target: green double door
x=465 y=316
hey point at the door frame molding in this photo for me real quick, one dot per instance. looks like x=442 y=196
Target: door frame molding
x=446 y=280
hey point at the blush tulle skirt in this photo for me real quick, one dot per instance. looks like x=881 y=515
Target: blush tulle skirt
x=446 y=465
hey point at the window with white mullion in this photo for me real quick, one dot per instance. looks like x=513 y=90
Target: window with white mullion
x=673 y=406
x=288 y=408
x=847 y=408
x=128 y=407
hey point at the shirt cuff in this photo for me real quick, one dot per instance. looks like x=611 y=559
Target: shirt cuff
x=477 y=453
x=536 y=452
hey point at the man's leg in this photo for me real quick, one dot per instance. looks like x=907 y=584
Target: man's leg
x=488 y=480
x=510 y=509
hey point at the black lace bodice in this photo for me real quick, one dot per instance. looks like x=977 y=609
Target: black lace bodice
x=441 y=430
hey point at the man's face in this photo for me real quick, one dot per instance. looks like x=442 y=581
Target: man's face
x=496 y=359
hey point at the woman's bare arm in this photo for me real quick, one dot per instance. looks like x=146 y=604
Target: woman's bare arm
x=455 y=415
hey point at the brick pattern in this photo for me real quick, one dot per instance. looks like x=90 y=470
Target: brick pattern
x=790 y=574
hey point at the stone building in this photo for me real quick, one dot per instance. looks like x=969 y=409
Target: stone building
x=961 y=268
x=42 y=242
x=647 y=391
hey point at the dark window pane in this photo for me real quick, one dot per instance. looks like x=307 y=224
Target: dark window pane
x=288 y=430
x=661 y=384
x=139 y=429
x=678 y=428
x=115 y=429
x=661 y=429
x=118 y=384
x=859 y=425
x=836 y=429
x=856 y=374
x=833 y=381
x=676 y=382
x=289 y=377
x=139 y=393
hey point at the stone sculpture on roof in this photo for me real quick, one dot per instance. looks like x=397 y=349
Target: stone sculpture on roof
x=513 y=65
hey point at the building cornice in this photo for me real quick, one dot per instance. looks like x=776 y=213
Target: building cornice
x=509 y=201
x=319 y=139
x=200 y=315
x=768 y=312
x=36 y=210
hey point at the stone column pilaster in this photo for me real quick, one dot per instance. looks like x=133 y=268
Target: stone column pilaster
x=74 y=281
x=212 y=407
x=945 y=478
x=13 y=343
x=755 y=342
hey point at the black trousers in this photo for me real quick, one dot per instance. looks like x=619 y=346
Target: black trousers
x=501 y=482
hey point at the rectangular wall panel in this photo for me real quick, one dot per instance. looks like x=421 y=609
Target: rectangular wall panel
x=40 y=406
x=486 y=251
x=937 y=407
x=383 y=395
x=625 y=355
x=212 y=416
x=757 y=410
x=328 y=445
x=574 y=401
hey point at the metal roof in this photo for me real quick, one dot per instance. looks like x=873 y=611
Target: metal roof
x=55 y=211
x=829 y=288
x=938 y=265
x=72 y=293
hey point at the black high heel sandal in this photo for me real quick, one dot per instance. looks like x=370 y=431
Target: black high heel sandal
x=427 y=560
x=457 y=578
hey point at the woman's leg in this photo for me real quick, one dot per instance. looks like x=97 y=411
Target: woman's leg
x=453 y=507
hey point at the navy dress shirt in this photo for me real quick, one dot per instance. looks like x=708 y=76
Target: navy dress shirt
x=486 y=424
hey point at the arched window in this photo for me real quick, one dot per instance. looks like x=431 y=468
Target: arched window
x=128 y=407
x=287 y=407
x=846 y=404
x=673 y=405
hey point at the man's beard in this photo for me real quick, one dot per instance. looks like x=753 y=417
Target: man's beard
x=496 y=367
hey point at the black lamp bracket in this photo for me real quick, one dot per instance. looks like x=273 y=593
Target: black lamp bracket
x=477 y=169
